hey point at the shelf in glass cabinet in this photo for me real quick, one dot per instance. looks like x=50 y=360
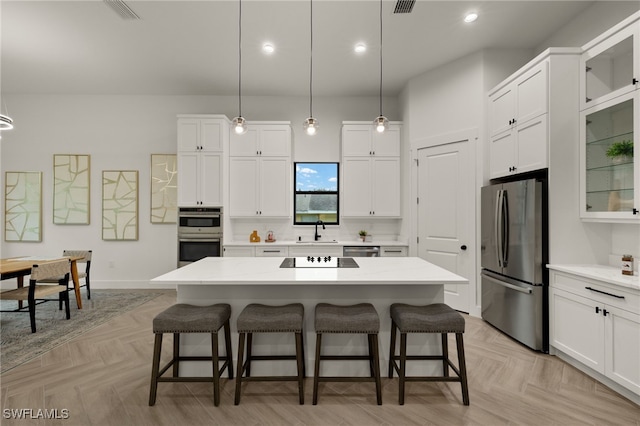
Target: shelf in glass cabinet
x=627 y=164
x=611 y=139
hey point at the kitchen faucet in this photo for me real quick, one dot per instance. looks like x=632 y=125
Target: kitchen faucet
x=316 y=235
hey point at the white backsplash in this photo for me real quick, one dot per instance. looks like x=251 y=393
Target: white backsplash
x=379 y=229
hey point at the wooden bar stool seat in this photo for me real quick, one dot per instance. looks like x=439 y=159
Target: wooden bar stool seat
x=434 y=318
x=354 y=319
x=183 y=318
x=257 y=318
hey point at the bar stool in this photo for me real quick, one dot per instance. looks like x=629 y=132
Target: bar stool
x=257 y=318
x=183 y=318
x=434 y=318
x=357 y=319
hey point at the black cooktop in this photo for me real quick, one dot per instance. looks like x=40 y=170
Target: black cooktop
x=319 y=262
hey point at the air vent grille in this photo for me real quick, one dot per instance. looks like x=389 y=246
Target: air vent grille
x=404 y=6
x=122 y=9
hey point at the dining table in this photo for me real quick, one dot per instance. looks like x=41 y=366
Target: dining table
x=19 y=267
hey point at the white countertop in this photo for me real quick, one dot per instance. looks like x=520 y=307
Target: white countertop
x=608 y=274
x=267 y=271
x=337 y=243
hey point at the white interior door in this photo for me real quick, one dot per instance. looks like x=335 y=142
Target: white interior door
x=446 y=210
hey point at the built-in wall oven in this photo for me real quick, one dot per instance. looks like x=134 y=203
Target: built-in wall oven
x=199 y=233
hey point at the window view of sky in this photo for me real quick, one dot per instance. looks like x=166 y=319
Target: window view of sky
x=316 y=177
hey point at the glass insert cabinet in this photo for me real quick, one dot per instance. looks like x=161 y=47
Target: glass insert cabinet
x=609 y=125
x=610 y=171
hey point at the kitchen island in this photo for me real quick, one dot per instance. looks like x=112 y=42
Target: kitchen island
x=239 y=281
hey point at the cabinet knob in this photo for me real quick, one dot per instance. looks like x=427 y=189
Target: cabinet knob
x=634 y=81
x=463 y=247
x=635 y=211
x=597 y=310
x=605 y=312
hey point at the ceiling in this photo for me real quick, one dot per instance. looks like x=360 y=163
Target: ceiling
x=191 y=47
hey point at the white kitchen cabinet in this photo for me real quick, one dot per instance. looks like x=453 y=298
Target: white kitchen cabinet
x=260 y=183
x=610 y=64
x=523 y=99
x=275 y=251
x=370 y=171
x=598 y=325
x=361 y=140
x=201 y=141
x=393 y=251
x=262 y=139
x=609 y=118
x=260 y=187
x=609 y=189
x=238 y=251
x=523 y=118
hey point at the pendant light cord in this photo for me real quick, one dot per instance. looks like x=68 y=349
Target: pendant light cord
x=381 y=57
x=240 y=59
x=311 y=65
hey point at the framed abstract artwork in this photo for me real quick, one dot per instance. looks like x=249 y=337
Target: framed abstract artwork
x=23 y=206
x=120 y=205
x=71 y=174
x=164 y=188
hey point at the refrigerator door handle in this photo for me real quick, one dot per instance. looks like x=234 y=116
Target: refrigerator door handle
x=505 y=224
x=507 y=285
x=498 y=227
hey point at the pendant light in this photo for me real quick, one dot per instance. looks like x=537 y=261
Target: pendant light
x=311 y=124
x=6 y=123
x=239 y=123
x=381 y=123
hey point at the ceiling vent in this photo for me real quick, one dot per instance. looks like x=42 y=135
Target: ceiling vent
x=122 y=9
x=404 y=6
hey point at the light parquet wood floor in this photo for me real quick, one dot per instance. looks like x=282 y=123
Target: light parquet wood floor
x=102 y=378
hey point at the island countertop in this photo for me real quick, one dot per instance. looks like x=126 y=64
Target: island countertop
x=267 y=271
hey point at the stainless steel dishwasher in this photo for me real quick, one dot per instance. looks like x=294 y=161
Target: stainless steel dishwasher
x=361 y=251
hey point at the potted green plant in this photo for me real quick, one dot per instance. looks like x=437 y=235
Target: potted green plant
x=363 y=234
x=621 y=152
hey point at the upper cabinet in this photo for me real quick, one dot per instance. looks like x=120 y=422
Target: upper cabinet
x=522 y=111
x=609 y=187
x=262 y=140
x=610 y=64
x=260 y=171
x=521 y=100
x=370 y=171
x=201 y=140
x=609 y=125
x=360 y=140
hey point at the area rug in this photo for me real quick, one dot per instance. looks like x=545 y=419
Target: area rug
x=18 y=345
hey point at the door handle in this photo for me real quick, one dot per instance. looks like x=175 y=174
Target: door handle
x=507 y=285
x=463 y=247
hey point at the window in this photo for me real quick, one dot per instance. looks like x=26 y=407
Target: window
x=316 y=193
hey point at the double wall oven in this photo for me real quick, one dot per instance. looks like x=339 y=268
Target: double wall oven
x=199 y=233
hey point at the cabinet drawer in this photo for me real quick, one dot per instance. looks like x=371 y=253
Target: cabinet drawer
x=393 y=251
x=598 y=291
x=272 y=252
x=238 y=251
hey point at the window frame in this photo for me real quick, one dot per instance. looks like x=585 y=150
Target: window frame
x=296 y=192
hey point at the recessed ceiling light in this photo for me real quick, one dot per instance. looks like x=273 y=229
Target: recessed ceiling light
x=268 y=48
x=470 y=17
x=360 y=48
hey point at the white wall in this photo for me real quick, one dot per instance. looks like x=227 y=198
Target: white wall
x=120 y=133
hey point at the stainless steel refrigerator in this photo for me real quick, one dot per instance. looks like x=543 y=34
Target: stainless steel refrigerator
x=513 y=258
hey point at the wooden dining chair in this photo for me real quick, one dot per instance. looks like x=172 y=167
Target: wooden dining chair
x=86 y=259
x=35 y=293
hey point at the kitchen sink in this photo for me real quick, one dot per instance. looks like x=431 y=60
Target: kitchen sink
x=318 y=242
